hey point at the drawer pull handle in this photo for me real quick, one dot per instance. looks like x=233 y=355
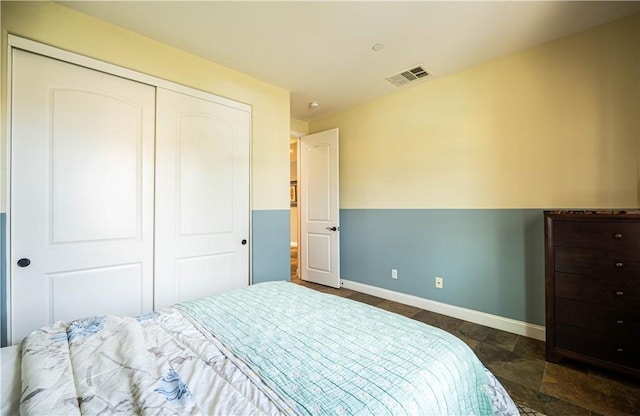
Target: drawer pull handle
x=619 y=293
x=617 y=236
x=619 y=349
x=619 y=264
x=620 y=322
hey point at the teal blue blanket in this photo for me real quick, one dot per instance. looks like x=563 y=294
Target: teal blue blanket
x=326 y=355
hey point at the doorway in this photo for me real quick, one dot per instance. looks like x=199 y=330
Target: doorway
x=294 y=214
x=315 y=207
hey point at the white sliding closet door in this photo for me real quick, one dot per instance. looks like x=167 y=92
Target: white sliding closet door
x=81 y=193
x=202 y=197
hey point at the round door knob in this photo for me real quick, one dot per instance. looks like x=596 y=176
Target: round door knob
x=619 y=293
x=617 y=236
x=332 y=228
x=619 y=264
x=244 y=242
x=24 y=262
x=620 y=322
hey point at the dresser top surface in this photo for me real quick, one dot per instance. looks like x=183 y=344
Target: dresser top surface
x=630 y=214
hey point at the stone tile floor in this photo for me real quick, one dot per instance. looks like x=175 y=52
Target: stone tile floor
x=567 y=388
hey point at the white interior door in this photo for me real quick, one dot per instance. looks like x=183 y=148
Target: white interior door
x=318 y=206
x=81 y=193
x=202 y=198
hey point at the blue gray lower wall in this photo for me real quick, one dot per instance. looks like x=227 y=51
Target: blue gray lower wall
x=271 y=258
x=491 y=260
x=3 y=279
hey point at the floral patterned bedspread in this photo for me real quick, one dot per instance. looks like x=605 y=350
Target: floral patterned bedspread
x=157 y=363
x=220 y=355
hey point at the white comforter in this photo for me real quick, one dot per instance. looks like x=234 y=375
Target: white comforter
x=104 y=360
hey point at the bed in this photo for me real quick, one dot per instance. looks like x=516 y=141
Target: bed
x=269 y=349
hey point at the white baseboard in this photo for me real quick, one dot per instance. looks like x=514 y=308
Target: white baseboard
x=481 y=318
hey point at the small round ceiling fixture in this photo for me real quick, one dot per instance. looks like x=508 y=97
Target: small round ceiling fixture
x=314 y=104
x=377 y=47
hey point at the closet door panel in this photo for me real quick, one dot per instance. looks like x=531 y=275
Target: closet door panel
x=204 y=175
x=96 y=134
x=82 y=168
x=190 y=272
x=122 y=285
x=202 y=198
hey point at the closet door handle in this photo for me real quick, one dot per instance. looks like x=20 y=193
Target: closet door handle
x=244 y=242
x=24 y=262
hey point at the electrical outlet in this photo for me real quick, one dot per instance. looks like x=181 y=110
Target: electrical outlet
x=394 y=274
x=439 y=282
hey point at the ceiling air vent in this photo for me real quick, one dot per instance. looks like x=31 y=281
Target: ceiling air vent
x=407 y=76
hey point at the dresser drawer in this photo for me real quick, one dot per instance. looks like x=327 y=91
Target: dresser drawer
x=601 y=289
x=625 y=351
x=597 y=262
x=607 y=235
x=613 y=320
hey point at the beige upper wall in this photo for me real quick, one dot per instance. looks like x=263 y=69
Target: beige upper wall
x=299 y=126
x=67 y=29
x=553 y=126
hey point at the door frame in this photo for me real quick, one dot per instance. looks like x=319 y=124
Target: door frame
x=17 y=42
x=297 y=136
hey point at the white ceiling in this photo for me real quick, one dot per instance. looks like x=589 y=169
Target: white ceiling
x=321 y=51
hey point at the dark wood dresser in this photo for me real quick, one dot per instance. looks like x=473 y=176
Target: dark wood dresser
x=592 y=268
